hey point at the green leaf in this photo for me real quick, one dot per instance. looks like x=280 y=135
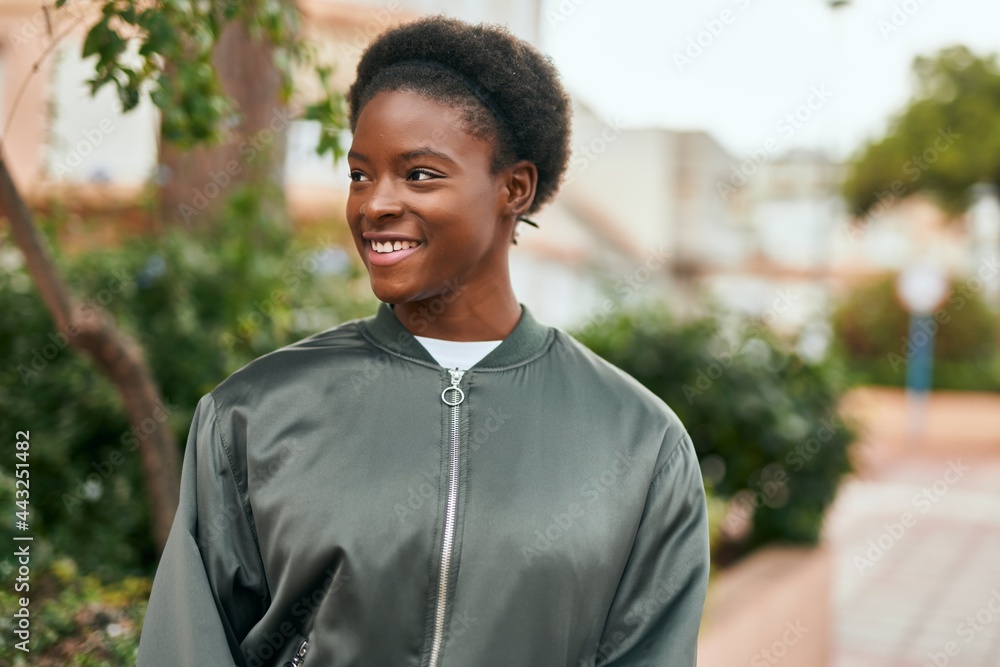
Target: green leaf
x=943 y=142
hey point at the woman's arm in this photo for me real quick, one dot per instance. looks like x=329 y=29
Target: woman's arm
x=656 y=612
x=209 y=588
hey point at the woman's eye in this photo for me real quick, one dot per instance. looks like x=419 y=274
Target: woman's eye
x=355 y=175
x=422 y=172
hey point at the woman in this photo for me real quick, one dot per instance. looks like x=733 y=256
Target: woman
x=450 y=481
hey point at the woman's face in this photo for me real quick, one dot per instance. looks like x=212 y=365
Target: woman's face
x=421 y=185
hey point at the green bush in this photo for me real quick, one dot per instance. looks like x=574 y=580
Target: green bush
x=872 y=332
x=75 y=619
x=201 y=305
x=716 y=520
x=764 y=420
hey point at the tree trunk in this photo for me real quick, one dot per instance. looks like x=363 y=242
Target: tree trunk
x=119 y=357
x=194 y=183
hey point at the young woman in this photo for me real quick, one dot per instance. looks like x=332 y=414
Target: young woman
x=449 y=482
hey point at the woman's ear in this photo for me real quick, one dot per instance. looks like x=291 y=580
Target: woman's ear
x=522 y=181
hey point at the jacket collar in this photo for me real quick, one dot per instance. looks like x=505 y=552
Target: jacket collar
x=528 y=339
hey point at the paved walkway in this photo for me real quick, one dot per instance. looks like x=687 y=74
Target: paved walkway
x=916 y=538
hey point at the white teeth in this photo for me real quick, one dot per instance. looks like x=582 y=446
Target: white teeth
x=391 y=246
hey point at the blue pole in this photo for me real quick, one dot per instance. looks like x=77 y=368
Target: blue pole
x=919 y=370
x=920 y=363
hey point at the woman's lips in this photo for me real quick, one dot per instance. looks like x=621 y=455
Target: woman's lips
x=389 y=258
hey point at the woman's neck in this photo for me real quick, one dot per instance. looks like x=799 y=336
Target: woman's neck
x=461 y=316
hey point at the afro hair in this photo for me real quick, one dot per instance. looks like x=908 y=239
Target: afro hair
x=516 y=98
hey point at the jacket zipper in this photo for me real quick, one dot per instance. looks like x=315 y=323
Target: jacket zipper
x=448 y=539
x=300 y=654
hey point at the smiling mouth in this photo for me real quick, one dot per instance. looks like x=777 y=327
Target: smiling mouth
x=388 y=253
x=387 y=247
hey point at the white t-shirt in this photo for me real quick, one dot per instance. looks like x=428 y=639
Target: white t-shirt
x=457 y=353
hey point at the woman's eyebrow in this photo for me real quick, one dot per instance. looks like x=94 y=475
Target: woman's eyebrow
x=427 y=151
x=422 y=151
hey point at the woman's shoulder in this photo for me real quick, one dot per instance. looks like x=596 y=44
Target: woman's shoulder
x=587 y=368
x=296 y=362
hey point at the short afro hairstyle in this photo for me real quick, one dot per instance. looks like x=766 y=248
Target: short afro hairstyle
x=517 y=99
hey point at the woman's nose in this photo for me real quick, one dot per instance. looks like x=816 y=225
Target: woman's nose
x=383 y=201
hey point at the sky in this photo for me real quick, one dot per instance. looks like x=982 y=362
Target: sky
x=738 y=68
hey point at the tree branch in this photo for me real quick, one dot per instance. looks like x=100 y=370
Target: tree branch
x=120 y=358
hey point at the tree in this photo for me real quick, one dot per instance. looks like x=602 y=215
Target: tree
x=169 y=50
x=192 y=178
x=221 y=73
x=944 y=142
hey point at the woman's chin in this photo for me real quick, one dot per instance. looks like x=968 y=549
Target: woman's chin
x=391 y=293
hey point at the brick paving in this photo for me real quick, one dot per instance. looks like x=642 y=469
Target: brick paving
x=916 y=545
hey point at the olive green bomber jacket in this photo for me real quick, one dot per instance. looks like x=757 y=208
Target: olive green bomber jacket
x=347 y=501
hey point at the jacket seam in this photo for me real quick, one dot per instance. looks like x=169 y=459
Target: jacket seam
x=546 y=344
x=671 y=458
x=374 y=341
x=244 y=502
x=677 y=449
x=550 y=338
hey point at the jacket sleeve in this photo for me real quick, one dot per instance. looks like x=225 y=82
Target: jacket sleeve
x=656 y=612
x=209 y=588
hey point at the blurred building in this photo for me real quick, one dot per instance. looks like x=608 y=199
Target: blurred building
x=790 y=209
x=645 y=213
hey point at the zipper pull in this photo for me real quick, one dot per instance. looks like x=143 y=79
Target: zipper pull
x=458 y=396
x=300 y=655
